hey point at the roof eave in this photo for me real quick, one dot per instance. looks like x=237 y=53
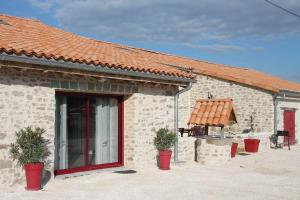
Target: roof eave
x=91 y=68
x=289 y=93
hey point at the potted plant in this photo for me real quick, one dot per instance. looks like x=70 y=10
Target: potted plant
x=164 y=141
x=251 y=143
x=30 y=150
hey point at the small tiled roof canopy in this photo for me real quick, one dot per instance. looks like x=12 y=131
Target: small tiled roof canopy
x=213 y=112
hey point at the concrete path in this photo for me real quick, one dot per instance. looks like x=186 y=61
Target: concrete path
x=273 y=174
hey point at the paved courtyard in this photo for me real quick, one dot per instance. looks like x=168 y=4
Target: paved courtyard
x=272 y=174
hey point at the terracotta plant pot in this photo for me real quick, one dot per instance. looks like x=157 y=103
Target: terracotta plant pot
x=33 y=173
x=251 y=145
x=164 y=160
x=234 y=147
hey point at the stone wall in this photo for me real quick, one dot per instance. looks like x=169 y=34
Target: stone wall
x=247 y=102
x=185 y=108
x=28 y=98
x=280 y=120
x=213 y=151
x=129 y=137
x=25 y=100
x=154 y=109
x=187 y=149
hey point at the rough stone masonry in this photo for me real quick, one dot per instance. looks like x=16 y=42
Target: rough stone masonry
x=27 y=98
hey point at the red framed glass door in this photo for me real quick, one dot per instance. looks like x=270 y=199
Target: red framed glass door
x=89 y=132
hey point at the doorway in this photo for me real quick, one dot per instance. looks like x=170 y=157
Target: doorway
x=89 y=133
x=289 y=125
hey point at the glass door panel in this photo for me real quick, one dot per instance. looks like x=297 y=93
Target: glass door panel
x=76 y=131
x=87 y=131
x=70 y=130
x=104 y=130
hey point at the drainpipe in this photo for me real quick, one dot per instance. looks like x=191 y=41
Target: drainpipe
x=176 y=119
x=275 y=112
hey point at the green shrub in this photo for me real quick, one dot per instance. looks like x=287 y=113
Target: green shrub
x=164 y=139
x=30 y=146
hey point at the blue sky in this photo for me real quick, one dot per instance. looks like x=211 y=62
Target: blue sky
x=250 y=34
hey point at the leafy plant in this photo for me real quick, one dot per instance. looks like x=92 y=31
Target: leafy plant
x=30 y=146
x=164 y=139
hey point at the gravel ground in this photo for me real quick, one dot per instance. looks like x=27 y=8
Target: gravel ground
x=272 y=174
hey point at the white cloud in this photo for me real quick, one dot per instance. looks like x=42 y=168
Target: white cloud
x=176 y=21
x=216 y=48
x=44 y=5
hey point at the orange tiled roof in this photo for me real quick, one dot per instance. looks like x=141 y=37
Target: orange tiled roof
x=240 y=75
x=33 y=38
x=213 y=112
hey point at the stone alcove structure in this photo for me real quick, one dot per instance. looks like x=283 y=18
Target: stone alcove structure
x=211 y=149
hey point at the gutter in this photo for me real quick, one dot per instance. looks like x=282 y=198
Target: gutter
x=89 y=68
x=176 y=119
x=289 y=94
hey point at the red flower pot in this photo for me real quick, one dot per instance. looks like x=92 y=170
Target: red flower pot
x=234 y=147
x=164 y=160
x=33 y=173
x=251 y=145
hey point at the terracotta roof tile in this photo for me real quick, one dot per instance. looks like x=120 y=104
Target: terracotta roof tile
x=33 y=38
x=213 y=112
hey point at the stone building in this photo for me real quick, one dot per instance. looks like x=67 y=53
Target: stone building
x=100 y=103
x=261 y=102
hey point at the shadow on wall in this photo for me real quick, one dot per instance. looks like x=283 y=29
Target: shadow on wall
x=32 y=78
x=13 y=76
x=157 y=160
x=46 y=177
x=158 y=89
x=273 y=139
